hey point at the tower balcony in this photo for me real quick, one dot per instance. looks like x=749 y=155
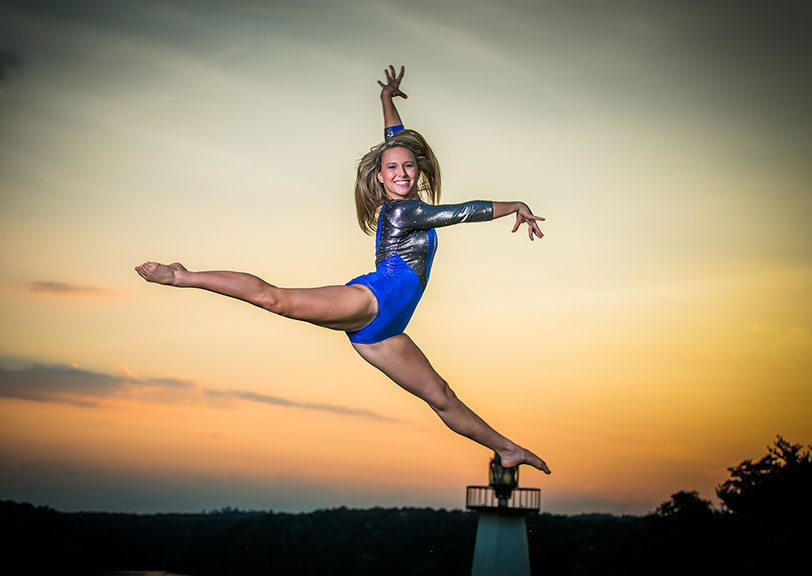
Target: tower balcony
x=520 y=500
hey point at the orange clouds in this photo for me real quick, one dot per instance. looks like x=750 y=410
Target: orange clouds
x=73 y=385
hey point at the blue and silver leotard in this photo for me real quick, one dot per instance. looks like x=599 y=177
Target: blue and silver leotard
x=405 y=244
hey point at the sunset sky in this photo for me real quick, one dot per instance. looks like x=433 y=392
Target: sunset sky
x=659 y=333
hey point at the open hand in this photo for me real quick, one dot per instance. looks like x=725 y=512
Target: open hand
x=525 y=216
x=392 y=86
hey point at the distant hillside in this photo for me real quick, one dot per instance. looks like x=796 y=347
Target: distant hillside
x=765 y=527
x=378 y=541
x=230 y=542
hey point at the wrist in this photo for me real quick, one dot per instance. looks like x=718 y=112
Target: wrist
x=504 y=208
x=514 y=207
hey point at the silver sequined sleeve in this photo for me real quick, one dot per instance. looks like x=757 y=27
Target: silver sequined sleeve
x=414 y=215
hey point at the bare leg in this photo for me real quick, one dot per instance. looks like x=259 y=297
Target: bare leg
x=400 y=359
x=346 y=308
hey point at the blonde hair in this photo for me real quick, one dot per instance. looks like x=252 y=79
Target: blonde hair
x=370 y=194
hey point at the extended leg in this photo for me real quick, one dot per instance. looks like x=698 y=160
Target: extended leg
x=347 y=308
x=400 y=359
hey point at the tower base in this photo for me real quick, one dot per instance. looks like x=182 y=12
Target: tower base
x=501 y=545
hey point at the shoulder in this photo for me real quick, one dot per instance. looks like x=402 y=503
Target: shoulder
x=397 y=209
x=403 y=206
x=409 y=214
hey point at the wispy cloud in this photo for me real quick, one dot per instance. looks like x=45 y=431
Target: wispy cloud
x=63 y=289
x=58 y=383
x=175 y=383
x=277 y=401
x=73 y=385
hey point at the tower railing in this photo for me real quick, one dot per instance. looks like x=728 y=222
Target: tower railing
x=520 y=499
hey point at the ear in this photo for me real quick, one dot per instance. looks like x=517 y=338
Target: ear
x=380 y=178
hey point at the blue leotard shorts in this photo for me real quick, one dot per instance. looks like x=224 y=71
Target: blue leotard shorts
x=397 y=289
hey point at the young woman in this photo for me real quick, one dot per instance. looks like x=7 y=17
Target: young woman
x=394 y=181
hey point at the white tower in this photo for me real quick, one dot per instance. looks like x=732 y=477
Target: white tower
x=501 y=535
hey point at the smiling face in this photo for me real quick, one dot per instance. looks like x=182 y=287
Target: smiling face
x=399 y=173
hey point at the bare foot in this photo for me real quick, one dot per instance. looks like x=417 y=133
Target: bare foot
x=160 y=273
x=519 y=455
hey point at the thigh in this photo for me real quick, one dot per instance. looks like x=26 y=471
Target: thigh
x=347 y=308
x=405 y=364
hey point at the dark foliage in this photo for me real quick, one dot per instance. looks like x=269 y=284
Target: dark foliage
x=770 y=503
x=764 y=528
x=774 y=489
x=340 y=541
x=685 y=506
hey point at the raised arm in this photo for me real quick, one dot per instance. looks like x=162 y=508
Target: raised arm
x=391 y=119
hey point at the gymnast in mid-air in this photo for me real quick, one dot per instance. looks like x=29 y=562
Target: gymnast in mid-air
x=397 y=190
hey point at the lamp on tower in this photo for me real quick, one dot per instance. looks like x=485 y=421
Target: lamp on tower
x=502 y=480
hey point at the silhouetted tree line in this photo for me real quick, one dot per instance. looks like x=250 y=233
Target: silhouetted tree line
x=762 y=528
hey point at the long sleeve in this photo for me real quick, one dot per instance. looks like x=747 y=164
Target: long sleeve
x=415 y=215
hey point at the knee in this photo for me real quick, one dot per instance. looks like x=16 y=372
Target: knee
x=273 y=300
x=443 y=399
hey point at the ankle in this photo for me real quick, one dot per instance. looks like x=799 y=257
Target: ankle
x=507 y=447
x=182 y=278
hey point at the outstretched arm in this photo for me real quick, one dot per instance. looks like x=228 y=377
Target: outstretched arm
x=414 y=214
x=391 y=119
x=523 y=216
